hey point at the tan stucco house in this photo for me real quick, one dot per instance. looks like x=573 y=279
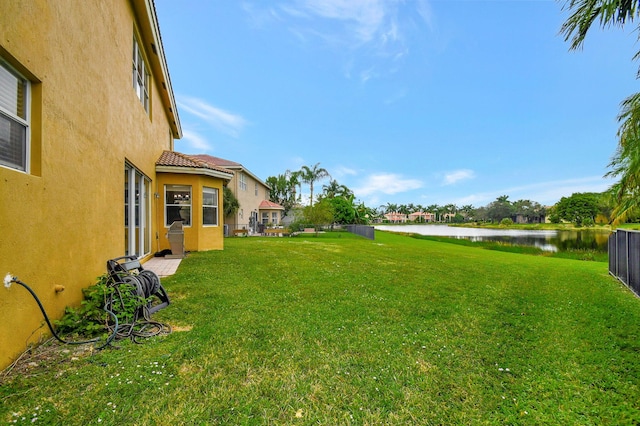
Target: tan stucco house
x=252 y=193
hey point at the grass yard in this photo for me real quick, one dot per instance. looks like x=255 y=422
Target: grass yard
x=337 y=329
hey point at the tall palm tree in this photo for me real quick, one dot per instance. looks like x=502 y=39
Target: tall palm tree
x=311 y=175
x=625 y=163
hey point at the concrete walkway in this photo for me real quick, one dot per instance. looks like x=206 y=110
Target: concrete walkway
x=162 y=266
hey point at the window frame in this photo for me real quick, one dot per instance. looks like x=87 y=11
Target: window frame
x=242 y=181
x=214 y=191
x=141 y=88
x=180 y=206
x=24 y=122
x=137 y=205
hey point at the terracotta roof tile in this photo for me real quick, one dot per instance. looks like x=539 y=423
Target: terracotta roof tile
x=177 y=159
x=216 y=161
x=266 y=204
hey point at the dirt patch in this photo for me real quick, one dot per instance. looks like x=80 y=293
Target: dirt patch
x=44 y=356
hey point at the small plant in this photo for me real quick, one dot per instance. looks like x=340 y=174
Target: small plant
x=91 y=319
x=506 y=222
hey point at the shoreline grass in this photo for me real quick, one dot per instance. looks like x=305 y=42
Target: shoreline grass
x=336 y=329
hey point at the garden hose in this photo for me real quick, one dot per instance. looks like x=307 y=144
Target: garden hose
x=140 y=286
x=11 y=279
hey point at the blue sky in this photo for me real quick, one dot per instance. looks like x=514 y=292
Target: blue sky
x=415 y=101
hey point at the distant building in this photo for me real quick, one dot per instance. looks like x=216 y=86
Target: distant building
x=422 y=217
x=251 y=192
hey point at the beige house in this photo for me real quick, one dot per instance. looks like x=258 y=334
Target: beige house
x=422 y=217
x=252 y=194
x=395 y=217
x=270 y=213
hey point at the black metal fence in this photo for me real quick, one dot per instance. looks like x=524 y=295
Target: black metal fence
x=362 y=230
x=624 y=258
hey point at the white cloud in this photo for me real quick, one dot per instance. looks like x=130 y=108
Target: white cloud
x=342 y=171
x=386 y=183
x=195 y=140
x=546 y=193
x=425 y=12
x=365 y=17
x=456 y=176
x=223 y=121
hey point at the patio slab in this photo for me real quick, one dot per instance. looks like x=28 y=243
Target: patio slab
x=162 y=266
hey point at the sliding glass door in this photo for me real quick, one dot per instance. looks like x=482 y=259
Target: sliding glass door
x=137 y=212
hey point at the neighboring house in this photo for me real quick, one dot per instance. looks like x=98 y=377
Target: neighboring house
x=250 y=191
x=395 y=217
x=87 y=173
x=270 y=213
x=422 y=217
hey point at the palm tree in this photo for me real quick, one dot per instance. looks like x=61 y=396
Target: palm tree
x=334 y=189
x=230 y=204
x=435 y=209
x=311 y=175
x=626 y=161
x=391 y=208
x=293 y=180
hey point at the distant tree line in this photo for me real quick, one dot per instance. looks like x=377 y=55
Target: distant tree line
x=337 y=204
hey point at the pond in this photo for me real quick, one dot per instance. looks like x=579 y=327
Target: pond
x=548 y=240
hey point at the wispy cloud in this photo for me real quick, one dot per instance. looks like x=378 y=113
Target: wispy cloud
x=386 y=183
x=341 y=171
x=451 y=178
x=377 y=31
x=225 y=122
x=195 y=141
x=547 y=193
x=363 y=18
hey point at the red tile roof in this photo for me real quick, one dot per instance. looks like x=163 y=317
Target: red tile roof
x=177 y=159
x=266 y=204
x=216 y=161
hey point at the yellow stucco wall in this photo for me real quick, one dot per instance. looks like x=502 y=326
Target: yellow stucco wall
x=196 y=236
x=63 y=220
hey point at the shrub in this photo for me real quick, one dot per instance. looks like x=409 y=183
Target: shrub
x=90 y=318
x=506 y=222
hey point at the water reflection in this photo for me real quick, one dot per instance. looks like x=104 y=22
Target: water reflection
x=548 y=240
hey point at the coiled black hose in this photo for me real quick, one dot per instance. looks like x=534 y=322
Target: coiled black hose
x=141 y=286
x=11 y=279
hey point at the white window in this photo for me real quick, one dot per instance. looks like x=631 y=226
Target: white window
x=209 y=206
x=178 y=204
x=265 y=218
x=140 y=75
x=14 y=119
x=242 y=181
x=256 y=189
x=274 y=218
x=137 y=212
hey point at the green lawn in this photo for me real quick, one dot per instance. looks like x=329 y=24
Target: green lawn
x=337 y=329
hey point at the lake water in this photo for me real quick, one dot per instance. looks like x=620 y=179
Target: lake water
x=549 y=240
